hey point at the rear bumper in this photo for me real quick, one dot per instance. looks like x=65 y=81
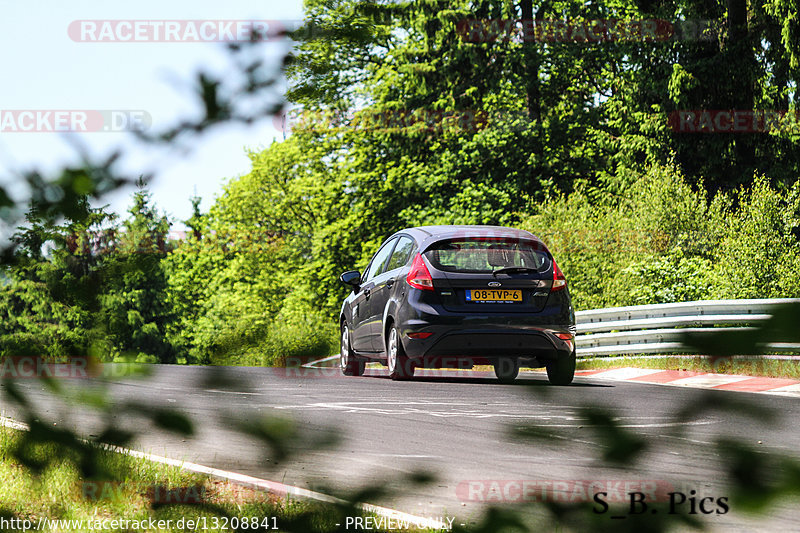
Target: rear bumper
x=484 y=338
x=493 y=342
x=484 y=345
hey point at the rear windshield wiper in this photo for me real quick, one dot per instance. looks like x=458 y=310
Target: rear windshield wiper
x=513 y=269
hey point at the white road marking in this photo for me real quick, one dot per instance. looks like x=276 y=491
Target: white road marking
x=624 y=373
x=707 y=380
x=402 y=455
x=693 y=441
x=407 y=408
x=703 y=381
x=570 y=419
x=235 y=392
x=257 y=483
x=657 y=425
x=788 y=389
x=13 y=424
x=324 y=360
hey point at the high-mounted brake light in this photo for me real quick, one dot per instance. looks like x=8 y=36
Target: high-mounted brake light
x=419 y=277
x=559 y=281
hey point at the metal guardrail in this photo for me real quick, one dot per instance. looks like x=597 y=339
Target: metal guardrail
x=648 y=329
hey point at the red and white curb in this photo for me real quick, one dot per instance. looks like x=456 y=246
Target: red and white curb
x=679 y=378
x=271 y=487
x=699 y=380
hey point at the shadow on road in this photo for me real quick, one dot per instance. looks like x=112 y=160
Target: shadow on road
x=485 y=380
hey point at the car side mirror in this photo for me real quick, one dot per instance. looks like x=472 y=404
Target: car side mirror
x=352 y=278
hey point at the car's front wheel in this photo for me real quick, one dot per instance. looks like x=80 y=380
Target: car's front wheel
x=506 y=370
x=562 y=371
x=400 y=366
x=348 y=362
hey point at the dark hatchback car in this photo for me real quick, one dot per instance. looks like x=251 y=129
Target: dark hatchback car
x=459 y=296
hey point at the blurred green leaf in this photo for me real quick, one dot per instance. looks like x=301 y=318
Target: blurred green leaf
x=174 y=421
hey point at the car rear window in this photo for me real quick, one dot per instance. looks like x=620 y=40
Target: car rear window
x=483 y=255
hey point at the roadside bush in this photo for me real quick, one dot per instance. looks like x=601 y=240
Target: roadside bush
x=666 y=213
x=33 y=322
x=591 y=245
x=240 y=302
x=611 y=248
x=306 y=337
x=759 y=253
x=662 y=240
x=669 y=278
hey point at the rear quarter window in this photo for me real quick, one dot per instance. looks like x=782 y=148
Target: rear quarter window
x=379 y=260
x=401 y=254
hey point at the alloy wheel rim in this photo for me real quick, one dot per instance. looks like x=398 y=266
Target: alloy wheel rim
x=345 y=349
x=392 y=356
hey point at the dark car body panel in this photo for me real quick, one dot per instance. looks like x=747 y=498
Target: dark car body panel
x=462 y=333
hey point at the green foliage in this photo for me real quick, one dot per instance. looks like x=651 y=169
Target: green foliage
x=669 y=278
x=663 y=241
x=759 y=251
x=89 y=286
x=47 y=304
x=231 y=290
x=568 y=140
x=133 y=304
x=284 y=340
x=583 y=158
x=588 y=111
x=33 y=323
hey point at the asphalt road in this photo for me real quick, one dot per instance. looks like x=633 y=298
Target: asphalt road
x=458 y=428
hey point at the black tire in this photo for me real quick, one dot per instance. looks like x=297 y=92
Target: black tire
x=400 y=366
x=348 y=361
x=506 y=370
x=561 y=371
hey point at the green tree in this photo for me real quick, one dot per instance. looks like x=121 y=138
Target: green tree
x=49 y=297
x=195 y=222
x=134 y=306
x=244 y=292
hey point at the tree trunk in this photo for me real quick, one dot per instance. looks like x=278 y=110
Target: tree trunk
x=742 y=77
x=531 y=59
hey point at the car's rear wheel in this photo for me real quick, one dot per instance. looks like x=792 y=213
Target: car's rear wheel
x=561 y=371
x=348 y=362
x=506 y=370
x=400 y=366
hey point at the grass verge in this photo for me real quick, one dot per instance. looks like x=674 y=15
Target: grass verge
x=749 y=366
x=143 y=496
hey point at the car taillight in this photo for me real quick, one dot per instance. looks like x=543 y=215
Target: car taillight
x=419 y=277
x=568 y=338
x=559 y=281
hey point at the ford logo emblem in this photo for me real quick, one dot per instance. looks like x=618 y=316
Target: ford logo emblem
x=494 y=283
